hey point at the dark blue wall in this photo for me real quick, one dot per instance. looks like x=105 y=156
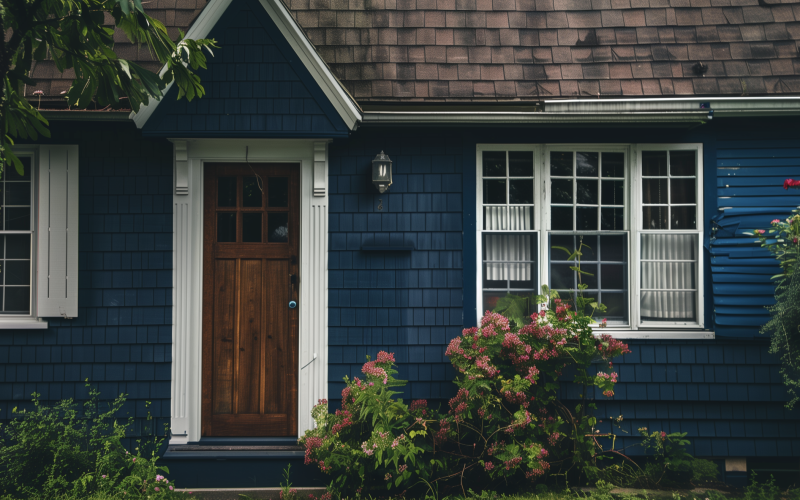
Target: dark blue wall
x=121 y=339
x=255 y=87
x=409 y=303
x=725 y=393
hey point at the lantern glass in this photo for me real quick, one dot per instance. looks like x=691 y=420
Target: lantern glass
x=382 y=172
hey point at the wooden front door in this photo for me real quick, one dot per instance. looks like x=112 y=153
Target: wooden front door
x=250 y=267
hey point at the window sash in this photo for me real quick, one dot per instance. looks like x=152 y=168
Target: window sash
x=30 y=154
x=632 y=223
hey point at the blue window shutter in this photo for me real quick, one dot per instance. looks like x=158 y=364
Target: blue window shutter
x=57 y=228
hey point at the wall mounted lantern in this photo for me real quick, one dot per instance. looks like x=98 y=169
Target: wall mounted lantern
x=382 y=172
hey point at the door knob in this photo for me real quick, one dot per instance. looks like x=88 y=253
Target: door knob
x=292 y=304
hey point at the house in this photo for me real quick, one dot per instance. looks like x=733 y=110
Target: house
x=228 y=260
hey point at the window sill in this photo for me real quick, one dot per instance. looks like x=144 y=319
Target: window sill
x=657 y=334
x=22 y=324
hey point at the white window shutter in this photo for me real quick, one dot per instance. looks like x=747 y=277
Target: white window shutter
x=57 y=239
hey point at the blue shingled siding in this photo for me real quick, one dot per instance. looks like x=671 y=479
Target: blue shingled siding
x=121 y=339
x=750 y=194
x=409 y=303
x=727 y=395
x=255 y=87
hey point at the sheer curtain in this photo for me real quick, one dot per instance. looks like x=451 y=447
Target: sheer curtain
x=499 y=249
x=669 y=283
x=508 y=218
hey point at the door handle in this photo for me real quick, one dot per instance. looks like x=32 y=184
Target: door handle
x=292 y=304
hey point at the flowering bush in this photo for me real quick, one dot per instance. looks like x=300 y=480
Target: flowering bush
x=783 y=241
x=505 y=423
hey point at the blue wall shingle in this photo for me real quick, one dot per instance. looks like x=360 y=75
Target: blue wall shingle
x=121 y=339
x=255 y=85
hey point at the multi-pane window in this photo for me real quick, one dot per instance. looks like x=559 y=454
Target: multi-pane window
x=670 y=237
x=16 y=192
x=509 y=245
x=587 y=214
x=632 y=212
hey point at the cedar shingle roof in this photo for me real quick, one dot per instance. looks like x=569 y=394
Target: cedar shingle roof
x=392 y=50
x=467 y=50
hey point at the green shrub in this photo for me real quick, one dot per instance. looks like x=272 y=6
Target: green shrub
x=75 y=451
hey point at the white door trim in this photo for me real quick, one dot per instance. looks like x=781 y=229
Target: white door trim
x=187 y=270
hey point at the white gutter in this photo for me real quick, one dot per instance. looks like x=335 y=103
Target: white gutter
x=722 y=106
x=661 y=110
x=522 y=117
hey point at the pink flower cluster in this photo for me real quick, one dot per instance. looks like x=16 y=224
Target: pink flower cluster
x=488 y=466
x=419 y=404
x=790 y=183
x=312 y=444
x=459 y=404
x=609 y=347
x=482 y=362
x=495 y=447
x=513 y=463
x=609 y=376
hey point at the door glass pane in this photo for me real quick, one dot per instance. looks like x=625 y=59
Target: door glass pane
x=520 y=164
x=226 y=196
x=226 y=227
x=494 y=163
x=278 y=191
x=251 y=227
x=251 y=192
x=278 y=227
x=587 y=164
x=561 y=163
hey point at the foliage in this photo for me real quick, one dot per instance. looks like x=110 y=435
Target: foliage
x=579 y=301
x=73 y=35
x=783 y=241
x=514 y=307
x=68 y=451
x=667 y=464
x=506 y=424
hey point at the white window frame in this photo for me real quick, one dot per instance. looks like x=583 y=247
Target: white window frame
x=632 y=224
x=28 y=321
